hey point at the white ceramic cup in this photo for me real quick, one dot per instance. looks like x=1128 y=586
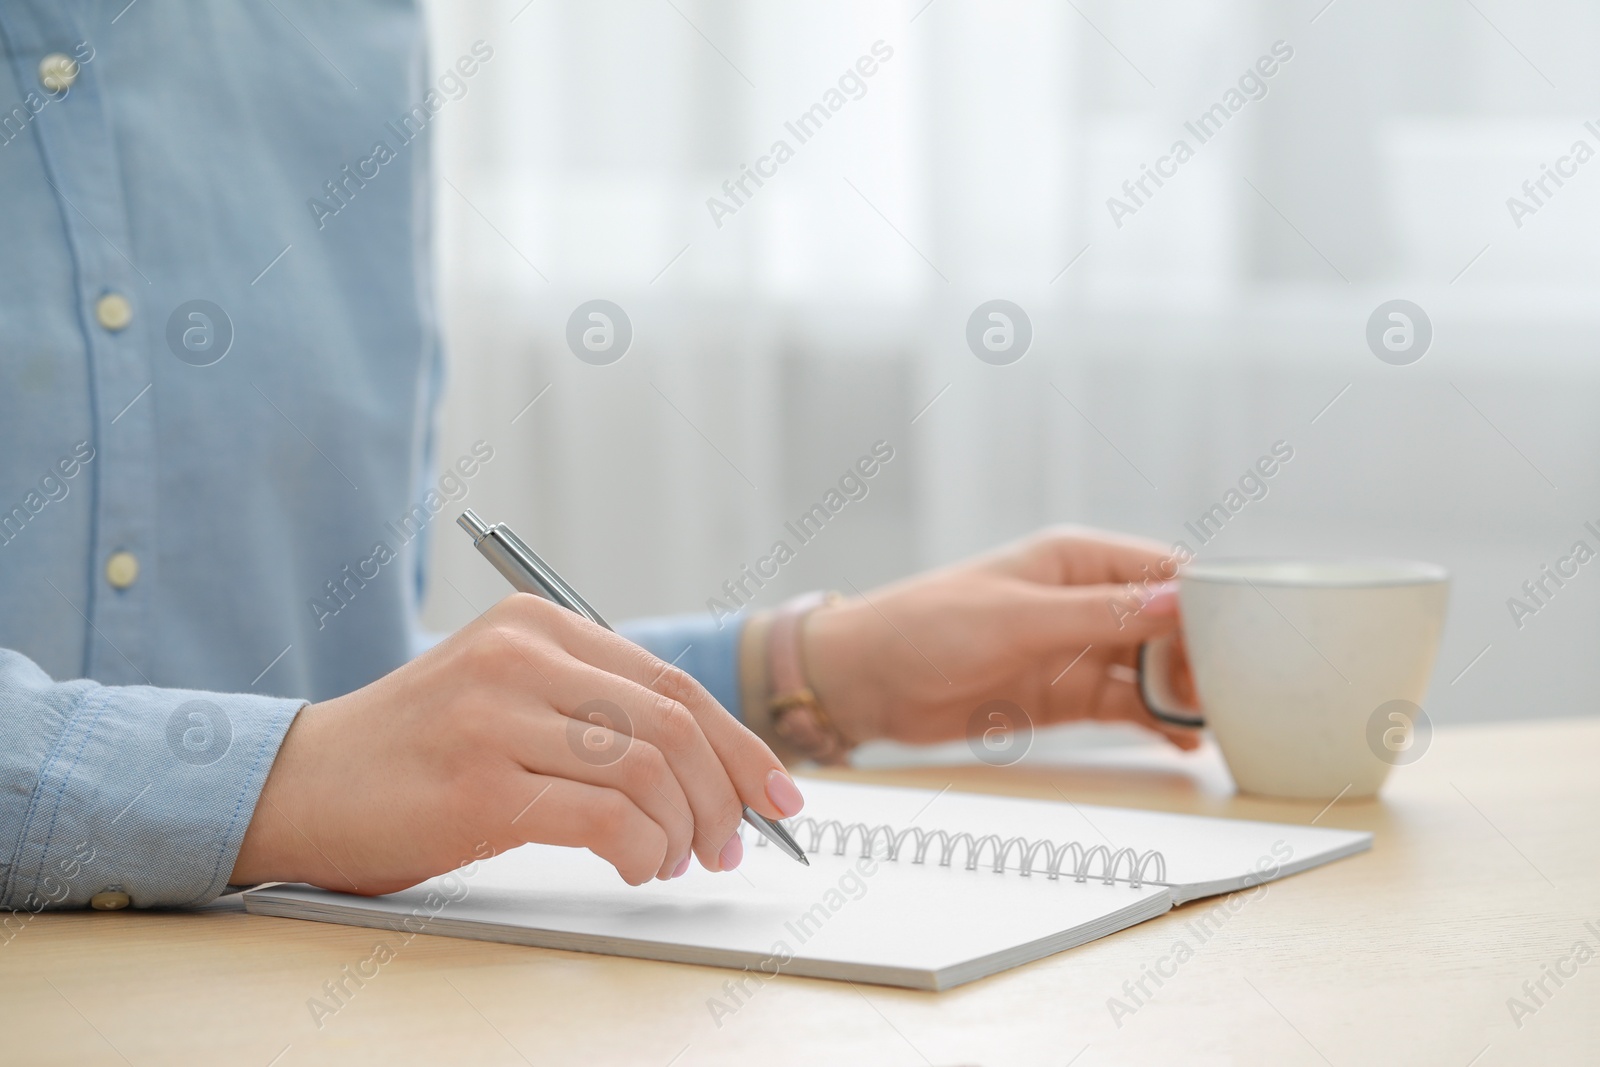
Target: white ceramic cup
x=1294 y=662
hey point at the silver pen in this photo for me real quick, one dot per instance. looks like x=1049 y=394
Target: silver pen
x=527 y=573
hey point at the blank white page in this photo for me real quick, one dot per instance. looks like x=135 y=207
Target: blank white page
x=893 y=923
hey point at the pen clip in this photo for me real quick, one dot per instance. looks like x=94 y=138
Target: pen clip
x=522 y=567
x=561 y=592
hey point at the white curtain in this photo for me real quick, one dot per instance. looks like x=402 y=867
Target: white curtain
x=828 y=310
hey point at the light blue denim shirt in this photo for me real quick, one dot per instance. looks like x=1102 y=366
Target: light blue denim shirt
x=217 y=397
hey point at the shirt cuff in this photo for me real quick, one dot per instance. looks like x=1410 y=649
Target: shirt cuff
x=707 y=648
x=138 y=789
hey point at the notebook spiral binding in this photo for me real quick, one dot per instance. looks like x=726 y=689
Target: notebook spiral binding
x=1060 y=858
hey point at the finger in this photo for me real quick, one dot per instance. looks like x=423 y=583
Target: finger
x=757 y=775
x=580 y=815
x=711 y=804
x=753 y=772
x=593 y=754
x=1052 y=619
x=1073 y=555
x=1118 y=699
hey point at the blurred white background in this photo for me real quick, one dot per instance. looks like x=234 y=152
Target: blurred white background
x=1168 y=353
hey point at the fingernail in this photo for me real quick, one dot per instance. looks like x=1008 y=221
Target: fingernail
x=1162 y=599
x=784 y=794
x=731 y=855
x=678 y=871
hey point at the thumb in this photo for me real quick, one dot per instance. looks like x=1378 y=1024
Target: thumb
x=1106 y=615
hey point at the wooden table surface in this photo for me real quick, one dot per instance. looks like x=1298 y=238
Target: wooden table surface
x=1484 y=872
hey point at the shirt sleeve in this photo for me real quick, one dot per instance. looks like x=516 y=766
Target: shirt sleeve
x=131 y=788
x=707 y=648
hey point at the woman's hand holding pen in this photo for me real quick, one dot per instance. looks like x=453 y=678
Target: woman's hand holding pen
x=530 y=724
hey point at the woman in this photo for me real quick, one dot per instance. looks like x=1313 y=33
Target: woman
x=219 y=479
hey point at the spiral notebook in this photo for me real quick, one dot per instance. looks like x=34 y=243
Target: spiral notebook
x=906 y=887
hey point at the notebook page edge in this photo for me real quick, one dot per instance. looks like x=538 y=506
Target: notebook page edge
x=1183 y=892
x=295 y=902
x=1151 y=906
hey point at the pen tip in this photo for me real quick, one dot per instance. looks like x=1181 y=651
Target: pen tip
x=802 y=859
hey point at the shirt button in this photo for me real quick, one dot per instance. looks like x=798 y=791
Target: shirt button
x=109 y=900
x=122 y=569
x=57 y=72
x=113 y=311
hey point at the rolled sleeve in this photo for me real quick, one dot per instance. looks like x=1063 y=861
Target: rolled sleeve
x=706 y=648
x=131 y=788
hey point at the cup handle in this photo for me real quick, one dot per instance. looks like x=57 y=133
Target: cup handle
x=1154 y=670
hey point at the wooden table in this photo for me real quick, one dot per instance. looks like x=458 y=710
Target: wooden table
x=1485 y=869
